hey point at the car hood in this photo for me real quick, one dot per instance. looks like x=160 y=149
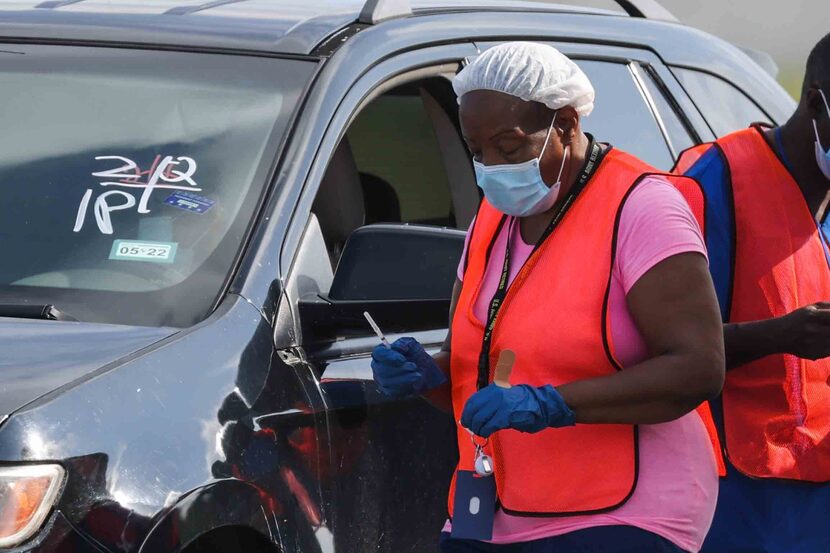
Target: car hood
x=36 y=357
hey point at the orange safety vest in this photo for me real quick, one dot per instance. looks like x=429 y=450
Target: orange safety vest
x=554 y=317
x=689 y=157
x=776 y=409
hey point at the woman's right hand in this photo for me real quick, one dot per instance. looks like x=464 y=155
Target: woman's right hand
x=405 y=368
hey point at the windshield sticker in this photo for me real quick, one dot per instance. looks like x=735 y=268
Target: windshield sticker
x=135 y=250
x=165 y=173
x=189 y=201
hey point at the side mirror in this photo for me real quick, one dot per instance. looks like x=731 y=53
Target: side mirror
x=402 y=274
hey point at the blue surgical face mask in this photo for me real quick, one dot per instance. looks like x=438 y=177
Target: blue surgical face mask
x=822 y=155
x=517 y=189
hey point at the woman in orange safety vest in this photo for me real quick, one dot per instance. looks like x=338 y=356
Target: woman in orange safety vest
x=585 y=273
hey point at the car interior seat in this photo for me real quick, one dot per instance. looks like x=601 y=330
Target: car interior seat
x=339 y=205
x=379 y=200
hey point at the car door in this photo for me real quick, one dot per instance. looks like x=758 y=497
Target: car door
x=390 y=156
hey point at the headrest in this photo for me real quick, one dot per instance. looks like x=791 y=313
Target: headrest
x=339 y=202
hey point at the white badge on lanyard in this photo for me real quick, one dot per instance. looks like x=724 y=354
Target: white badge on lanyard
x=483 y=463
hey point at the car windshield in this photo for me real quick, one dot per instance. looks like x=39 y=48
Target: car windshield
x=129 y=178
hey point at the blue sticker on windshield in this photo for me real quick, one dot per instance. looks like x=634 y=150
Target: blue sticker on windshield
x=189 y=201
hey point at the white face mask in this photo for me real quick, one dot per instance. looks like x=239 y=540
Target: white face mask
x=518 y=189
x=822 y=155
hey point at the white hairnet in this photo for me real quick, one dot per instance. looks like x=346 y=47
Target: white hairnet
x=530 y=71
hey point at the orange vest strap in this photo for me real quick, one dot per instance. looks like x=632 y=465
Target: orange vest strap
x=704 y=410
x=688 y=157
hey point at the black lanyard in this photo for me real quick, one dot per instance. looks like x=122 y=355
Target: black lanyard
x=503 y=286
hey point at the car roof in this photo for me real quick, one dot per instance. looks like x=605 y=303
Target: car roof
x=282 y=26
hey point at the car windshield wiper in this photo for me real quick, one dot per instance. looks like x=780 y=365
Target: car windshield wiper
x=34 y=311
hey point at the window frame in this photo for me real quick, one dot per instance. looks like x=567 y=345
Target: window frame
x=638 y=88
x=643 y=74
x=721 y=78
x=650 y=72
x=386 y=75
x=361 y=153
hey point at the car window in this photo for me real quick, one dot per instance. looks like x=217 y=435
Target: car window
x=389 y=168
x=621 y=115
x=399 y=160
x=130 y=178
x=676 y=132
x=725 y=108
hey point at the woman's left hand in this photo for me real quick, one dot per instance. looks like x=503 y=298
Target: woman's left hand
x=524 y=408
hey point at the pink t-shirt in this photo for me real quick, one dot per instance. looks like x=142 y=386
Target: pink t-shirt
x=678 y=483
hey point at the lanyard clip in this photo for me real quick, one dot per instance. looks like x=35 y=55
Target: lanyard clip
x=483 y=463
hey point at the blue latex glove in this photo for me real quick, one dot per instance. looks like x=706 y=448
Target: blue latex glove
x=405 y=369
x=524 y=408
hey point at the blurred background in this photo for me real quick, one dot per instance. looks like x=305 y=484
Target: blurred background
x=786 y=30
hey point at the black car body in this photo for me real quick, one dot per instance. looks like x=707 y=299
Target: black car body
x=225 y=402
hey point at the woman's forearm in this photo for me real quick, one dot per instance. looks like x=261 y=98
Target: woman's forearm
x=647 y=393
x=441 y=397
x=675 y=308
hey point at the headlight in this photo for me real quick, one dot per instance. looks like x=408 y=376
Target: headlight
x=27 y=494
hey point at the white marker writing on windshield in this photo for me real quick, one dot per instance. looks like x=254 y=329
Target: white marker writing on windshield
x=163 y=174
x=376 y=328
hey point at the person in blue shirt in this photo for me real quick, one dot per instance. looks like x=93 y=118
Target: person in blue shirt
x=766 y=193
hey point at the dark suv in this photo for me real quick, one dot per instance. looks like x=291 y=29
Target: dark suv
x=200 y=199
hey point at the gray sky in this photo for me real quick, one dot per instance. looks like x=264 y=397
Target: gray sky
x=786 y=29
